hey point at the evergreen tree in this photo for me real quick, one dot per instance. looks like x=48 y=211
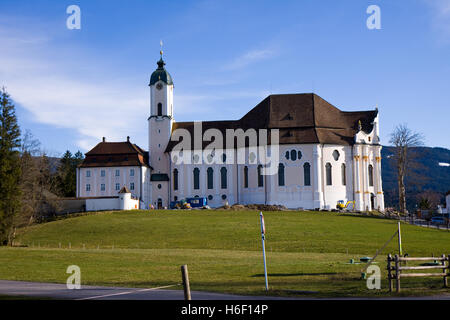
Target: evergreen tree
x=67 y=173
x=10 y=171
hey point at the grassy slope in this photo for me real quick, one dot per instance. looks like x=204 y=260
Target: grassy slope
x=306 y=250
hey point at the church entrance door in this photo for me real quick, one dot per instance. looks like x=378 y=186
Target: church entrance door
x=159 y=203
x=372 y=201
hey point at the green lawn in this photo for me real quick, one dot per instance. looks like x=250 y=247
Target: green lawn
x=306 y=251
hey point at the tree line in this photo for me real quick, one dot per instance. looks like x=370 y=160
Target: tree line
x=31 y=183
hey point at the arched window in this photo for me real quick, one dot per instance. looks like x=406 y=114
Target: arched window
x=160 y=109
x=287 y=155
x=196 y=178
x=260 y=177
x=281 y=174
x=370 y=175
x=336 y=155
x=245 y=177
x=293 y=155
x=223 y=178
x=175 y=179
x=343 y=174
x=210 y=178
x=328 y=170
x=307 y=174
x=299 y=154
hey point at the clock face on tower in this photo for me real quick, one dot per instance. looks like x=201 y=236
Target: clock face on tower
x=159 y=86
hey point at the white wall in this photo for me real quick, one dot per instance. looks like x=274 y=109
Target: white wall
x=109 y=180
x=294 y=194
x=122 y=202
x=447 y=200
x=99 y=204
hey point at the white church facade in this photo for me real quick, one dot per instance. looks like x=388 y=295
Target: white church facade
x=325 y=155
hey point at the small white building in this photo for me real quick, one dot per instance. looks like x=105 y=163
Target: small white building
x=326 y=155
x=124 y=201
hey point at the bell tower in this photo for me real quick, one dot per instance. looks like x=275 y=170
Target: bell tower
x=160 y=127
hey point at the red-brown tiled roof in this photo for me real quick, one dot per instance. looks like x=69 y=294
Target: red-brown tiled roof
x=115 y=154
x=301 y=118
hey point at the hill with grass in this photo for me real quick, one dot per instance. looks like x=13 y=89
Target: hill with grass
x=305 y=250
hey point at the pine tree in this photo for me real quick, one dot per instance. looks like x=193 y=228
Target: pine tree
x=67 y=173
x=10 y=194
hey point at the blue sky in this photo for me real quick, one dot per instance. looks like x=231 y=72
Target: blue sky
x=71 y=87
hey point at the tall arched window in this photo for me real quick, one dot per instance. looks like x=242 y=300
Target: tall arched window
x=293 y=155
x=281 y=174
x=328 y=170
x=160 y=109
x=343 y=174
x=210 y=178
x=307 y=174
x=223 y=178
x=196 y=178
x=370 y=175
x=260 y=177
x=245 y=177
x=175 y=179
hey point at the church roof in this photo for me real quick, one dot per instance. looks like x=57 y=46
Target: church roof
x=160 y=74
x=301 y=118
x=115 y=154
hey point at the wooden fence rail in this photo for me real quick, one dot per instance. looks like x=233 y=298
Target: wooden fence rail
x=395 y=269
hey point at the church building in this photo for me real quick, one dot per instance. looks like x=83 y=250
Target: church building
x=326 y=156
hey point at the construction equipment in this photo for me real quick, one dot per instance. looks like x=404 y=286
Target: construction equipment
x=182 y=204
x=197 y=202
x=341 y=205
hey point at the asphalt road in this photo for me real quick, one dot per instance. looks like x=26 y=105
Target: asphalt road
x=60 y=291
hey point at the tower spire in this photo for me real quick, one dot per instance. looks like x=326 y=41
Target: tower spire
x=161 y=51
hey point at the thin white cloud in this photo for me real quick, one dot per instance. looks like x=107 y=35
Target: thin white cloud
x=250 y=57
x=441 y=17
x=60 y=88
x=69 y=94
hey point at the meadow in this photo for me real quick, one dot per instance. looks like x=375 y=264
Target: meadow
x=308 y=253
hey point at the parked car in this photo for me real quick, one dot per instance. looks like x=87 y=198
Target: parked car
x=438 y=220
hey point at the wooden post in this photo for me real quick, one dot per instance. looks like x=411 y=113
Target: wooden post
x=185 y=278
x=389 y=267
x=397 y=274
x=399 y=240
x=448 y=267
x=445 y=270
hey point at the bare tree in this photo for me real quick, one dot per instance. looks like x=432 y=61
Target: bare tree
x=35 y=182
x=428 y=199
x=403 y=138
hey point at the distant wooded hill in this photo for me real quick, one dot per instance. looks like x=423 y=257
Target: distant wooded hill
x=429 y=175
